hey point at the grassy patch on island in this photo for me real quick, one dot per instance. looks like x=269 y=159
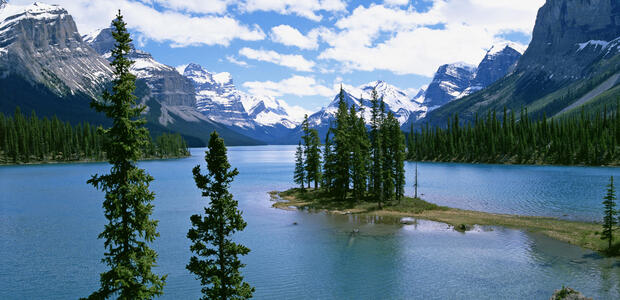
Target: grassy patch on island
x=582 y=234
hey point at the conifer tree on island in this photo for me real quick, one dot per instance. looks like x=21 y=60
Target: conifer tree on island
x=216 y=262
x=300 y=171
x=609 y=220
x=128 y=200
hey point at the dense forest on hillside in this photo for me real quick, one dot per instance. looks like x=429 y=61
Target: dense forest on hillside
x=582 y=139
x=29 y=139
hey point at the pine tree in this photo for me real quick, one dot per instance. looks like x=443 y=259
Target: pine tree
x=300 y=171
x=217 y=262
x=128 y=200
x=313 y=158
x=376 y=177
x=342 y=150
x=329 y=163
x=609 y=220
x=306 y=138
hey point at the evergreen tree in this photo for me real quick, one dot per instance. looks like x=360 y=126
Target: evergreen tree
x=342 y=150
x=300 y=171
x=217 y=262
x=609 y=220
x=360 y=157
x=376 y=139
x=128 y=200
x=313 y=158
x=306 y=138
x=329 y=163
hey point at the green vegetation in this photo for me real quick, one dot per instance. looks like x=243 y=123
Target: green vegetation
x=30 y=139
x=576 y=140
x=609 y=219
x=582 y=234
x=128 y=200
x=357 y=166
x=218 y=269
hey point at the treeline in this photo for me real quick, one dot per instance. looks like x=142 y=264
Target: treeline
x=27 y=139
x=355 y=163
x=586 y=139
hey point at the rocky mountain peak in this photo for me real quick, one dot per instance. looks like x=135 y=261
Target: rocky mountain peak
x=562 y=26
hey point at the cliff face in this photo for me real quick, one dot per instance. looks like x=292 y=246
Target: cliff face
x=562 y=27
x=166 y=85
x=41 y=44
x=572 y=62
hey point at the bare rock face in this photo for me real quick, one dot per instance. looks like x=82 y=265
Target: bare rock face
x=165 y=83
x=561 y=39
x=41 y=43
x=449 y=83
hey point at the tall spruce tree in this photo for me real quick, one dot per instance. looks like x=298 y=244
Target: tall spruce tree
x=359 y=154
x=398 y=139
x=329 y=163
x=376 y=149
x=128 y=200
x=609 y=219
x=342 y=149
x=217 y=263
x=313 y=158
x=300 y=170
x=305 y=126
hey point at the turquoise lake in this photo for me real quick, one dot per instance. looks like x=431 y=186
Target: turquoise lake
x=50 y=219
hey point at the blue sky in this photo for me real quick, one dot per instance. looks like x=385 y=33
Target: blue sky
x=300 y=51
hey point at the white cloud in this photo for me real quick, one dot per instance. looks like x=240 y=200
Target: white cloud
x=405 y=41
x=295 y=85
x=196 y=6
x=162 y=26
x=303 y=8
x=293 y=61
x=289 y=36
x=235 y=61
x=396 y=2
x=181 y=68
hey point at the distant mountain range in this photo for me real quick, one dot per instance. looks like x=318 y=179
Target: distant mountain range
x=572 y=63
x=48 y=67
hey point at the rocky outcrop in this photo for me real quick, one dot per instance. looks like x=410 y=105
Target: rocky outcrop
x=567 y=293
x=564 y=41
x=449 y=83
x=41 y=44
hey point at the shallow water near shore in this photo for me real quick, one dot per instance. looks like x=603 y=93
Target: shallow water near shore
x=50 y=218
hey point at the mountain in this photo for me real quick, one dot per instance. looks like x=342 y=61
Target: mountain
x=457 y=80
x=262 y=117
x=396 y=101
x=48 y=68
x=571 y=63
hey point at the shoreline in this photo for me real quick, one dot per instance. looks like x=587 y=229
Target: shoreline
x=84 y=161
x=583 y=234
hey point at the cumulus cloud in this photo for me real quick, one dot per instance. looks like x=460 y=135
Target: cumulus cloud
x=405 y=41
x=306 y=8
x=235 y=61
x=293 y=61
x=289 y=36
x=295 y=85
x=174 y=27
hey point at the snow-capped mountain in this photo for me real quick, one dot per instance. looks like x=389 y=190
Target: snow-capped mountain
x=218 y=98
x=41 y=43
x=457 y=80
x=165 y=82
x=395 y=100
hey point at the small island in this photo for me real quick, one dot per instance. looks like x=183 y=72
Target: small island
x=362 y=172
x=582 y=234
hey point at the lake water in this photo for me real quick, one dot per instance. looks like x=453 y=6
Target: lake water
x=50 y=218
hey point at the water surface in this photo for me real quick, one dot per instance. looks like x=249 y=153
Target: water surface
x=49 y=220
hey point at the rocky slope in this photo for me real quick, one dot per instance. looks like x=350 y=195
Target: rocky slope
x=570 y=63
x=40 y=43
x=47 y=67
x=454 y=81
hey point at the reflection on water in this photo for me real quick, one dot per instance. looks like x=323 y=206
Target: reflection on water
x=49 y=220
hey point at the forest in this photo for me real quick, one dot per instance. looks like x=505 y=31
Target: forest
x=583 y=139
x=30 y=139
